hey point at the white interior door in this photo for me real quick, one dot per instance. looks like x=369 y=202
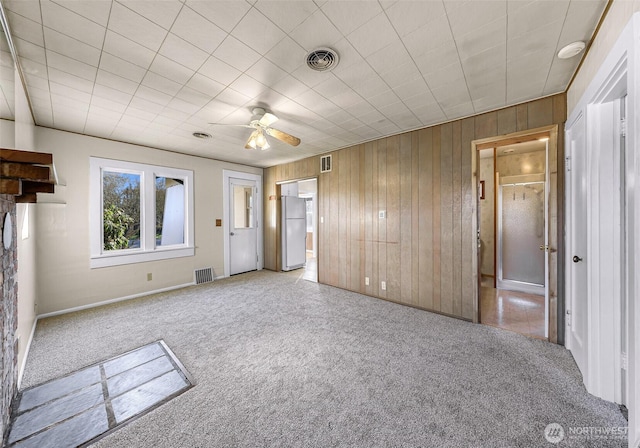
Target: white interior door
x=243 y=232
x=577 y=309
x=547 y=241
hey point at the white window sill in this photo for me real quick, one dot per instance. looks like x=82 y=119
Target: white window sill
x=106 y=260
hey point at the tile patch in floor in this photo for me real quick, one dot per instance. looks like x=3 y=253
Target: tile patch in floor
x=77 y=408
x=137 y=400
x=73 y=432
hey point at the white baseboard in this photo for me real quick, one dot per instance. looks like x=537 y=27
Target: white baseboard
x=26 y=352
x=107 y=302
x=527 y=288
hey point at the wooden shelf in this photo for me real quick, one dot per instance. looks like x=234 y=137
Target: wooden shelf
x=25 y=173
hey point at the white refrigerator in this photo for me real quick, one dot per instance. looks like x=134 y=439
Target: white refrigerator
x=294 y=232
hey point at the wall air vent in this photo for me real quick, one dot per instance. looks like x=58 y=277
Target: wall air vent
x=204 y=275
x=322 y=59
x=325 y=164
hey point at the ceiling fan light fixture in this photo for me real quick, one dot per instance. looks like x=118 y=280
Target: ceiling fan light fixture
x=251 y=143
x=571 y=50
x=258 y=140
x=261 y=141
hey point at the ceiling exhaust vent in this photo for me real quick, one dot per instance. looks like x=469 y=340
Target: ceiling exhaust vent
x=325 y=164
x=322 y=59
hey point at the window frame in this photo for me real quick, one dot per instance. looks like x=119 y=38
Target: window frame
x=148 y=250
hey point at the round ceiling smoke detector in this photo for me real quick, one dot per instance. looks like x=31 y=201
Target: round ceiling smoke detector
x=571 y=50
x=322 y=59
x=201 y=135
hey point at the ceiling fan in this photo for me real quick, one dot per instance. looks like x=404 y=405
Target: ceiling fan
x=261 y=124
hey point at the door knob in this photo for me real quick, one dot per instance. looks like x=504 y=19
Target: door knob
x=576 y=259
x=232 y=234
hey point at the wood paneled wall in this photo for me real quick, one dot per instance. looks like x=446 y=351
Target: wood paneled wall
x=423 y=249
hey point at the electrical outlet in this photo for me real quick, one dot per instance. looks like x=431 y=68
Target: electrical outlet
x=149 y=276
x=383 y=285
x=382 y=214
x=366 y=281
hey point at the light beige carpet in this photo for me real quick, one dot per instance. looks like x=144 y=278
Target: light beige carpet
x=280 y=361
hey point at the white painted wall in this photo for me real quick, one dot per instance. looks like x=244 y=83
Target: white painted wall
x=7 y=134
x=618 y=16
x=64 y=278
x=27 y=259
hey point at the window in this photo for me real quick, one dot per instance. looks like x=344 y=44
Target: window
x=242 y=207
x=169 y=211
x=139 y=213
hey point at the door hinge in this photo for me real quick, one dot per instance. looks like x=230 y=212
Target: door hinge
x=257 y=258
x=624 y=364
x=623 y=127
x=567 y=163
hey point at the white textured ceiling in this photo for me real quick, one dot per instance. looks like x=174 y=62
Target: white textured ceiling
x=7 y=83
x=154 y=72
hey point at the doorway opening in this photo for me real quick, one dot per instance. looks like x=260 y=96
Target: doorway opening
x=307 y=190
x=513 y=236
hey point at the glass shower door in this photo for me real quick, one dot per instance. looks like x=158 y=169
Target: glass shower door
x=521 y=237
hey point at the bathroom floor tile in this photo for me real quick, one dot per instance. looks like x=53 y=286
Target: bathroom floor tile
x=514 y=311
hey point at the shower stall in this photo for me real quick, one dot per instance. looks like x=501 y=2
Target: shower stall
x=522 y=234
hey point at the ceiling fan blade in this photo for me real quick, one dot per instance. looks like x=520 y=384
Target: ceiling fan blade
x=236 y=125
x=252 y=137
x=267 y=119
x=283 y=136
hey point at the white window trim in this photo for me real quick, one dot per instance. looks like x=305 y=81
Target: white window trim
x=148 y=250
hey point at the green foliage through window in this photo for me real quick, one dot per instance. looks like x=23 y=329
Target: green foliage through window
x=116 y=223
x=121 y=210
